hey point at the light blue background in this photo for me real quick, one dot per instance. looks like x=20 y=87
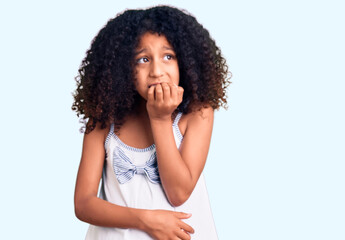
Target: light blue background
x=276 y=165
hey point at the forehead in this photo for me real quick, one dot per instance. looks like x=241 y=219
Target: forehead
x=153 y=40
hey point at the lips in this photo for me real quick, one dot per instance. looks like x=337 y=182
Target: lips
x=153 y=84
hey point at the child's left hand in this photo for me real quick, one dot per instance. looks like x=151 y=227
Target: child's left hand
x=162 y=100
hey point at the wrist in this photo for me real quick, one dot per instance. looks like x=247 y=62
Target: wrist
x=163 y=119
x=142 y=219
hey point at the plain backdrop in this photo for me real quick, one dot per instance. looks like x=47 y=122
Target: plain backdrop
x=275 y=170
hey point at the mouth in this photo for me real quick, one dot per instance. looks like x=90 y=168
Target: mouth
x=153 y=84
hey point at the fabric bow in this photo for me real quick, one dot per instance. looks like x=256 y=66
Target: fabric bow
x=125 y=169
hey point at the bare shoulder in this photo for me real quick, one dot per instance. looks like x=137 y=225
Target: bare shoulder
x=99 y=132
x=197 y=119
x=204 y=114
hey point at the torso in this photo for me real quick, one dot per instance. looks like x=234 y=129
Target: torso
x=132 y=193
x=139 y=191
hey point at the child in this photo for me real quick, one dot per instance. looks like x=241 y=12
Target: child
x=148 y=86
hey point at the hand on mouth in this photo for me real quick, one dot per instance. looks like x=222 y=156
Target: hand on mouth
x=155 y=84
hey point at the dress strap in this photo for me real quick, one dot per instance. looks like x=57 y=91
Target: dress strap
x=111 y=128
x=176 y=128
x=111 y=132
x=177 y=118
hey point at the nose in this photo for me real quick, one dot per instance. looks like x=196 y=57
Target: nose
x=156 y=69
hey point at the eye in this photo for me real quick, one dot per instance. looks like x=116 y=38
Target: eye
x=143 y=60
x=168 y=57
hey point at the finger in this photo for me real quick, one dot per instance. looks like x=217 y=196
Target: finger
x=151 y=94
x=183 y=235
x=187 y=228
x=173 y=92
x=182 y=215
x=166 y=91
x=159 y=93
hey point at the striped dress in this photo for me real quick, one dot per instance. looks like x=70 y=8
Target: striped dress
x=140 y=188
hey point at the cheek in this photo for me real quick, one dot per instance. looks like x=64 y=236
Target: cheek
x=136 y=82
x=177 y=76
x=140 y=85
x=138 y=79
x=177 y=79
x=140 y=75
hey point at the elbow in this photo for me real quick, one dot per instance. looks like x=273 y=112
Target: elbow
x=177 y=203
x=178 y=195
x=79 y=210
x=177 y=200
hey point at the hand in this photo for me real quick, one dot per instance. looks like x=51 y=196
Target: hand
x=166 y=225
x=162 y=100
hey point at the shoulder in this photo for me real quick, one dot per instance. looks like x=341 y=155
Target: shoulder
x=202 y=117
x=205 y=113
x=98 y=131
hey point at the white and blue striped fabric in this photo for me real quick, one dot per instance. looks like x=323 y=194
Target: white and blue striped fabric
x=125 y=169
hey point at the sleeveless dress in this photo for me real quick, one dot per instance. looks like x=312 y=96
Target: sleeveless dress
x=137 y=189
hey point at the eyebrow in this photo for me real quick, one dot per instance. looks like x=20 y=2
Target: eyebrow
x=168 y=48
x=145 y=50
x=141 y=51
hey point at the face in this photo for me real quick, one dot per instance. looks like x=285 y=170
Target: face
x=155 y=62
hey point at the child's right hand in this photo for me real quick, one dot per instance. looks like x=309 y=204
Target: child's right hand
x=163 y=99
x=166 y=225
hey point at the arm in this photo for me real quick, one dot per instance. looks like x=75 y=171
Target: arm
x=179 y=169
x=88 y=207
x=91 y=209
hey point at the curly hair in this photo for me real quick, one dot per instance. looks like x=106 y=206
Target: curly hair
x=105 y=84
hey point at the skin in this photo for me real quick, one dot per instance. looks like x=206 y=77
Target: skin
x=157 y=79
